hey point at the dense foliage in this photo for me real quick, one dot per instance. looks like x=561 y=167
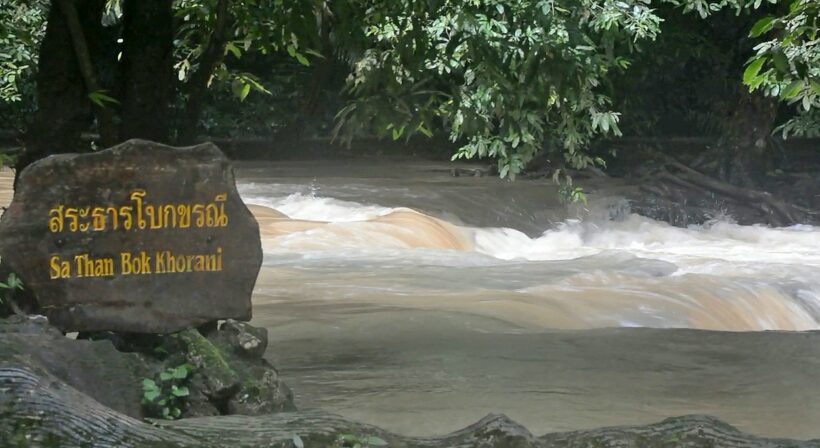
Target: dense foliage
x=787 y=65
x=503 y=76
x=504 y=79
x=22 y=26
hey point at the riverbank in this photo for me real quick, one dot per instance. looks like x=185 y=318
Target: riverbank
x=46 y=403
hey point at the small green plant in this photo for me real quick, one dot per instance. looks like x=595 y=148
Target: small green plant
x=166 y=395
x=12 y=284
x=358 y=441
x=8 y=160
x=568 y=194
x=101 y=98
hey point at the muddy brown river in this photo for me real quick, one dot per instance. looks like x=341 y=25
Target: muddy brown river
x=398 y=295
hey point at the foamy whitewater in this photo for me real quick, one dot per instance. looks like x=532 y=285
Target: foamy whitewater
x=580 y=273
x=398 y=295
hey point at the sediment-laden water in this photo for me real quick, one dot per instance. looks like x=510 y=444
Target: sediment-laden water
x=399 y=295
x=402 y=296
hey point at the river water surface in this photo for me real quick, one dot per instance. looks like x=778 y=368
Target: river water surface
x=399 y=295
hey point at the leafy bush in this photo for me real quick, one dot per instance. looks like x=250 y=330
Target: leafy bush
x=166 y=395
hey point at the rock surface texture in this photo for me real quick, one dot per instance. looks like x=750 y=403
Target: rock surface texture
x=220 y=382
x=140 y=237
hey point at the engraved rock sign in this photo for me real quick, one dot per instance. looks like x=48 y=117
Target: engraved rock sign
x=140 y=237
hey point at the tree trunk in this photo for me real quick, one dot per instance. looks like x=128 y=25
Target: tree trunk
x=147 y=69
x=79 y=41
x=197 y=87
x=745 y=144
x=323 y=69
x=64 y=110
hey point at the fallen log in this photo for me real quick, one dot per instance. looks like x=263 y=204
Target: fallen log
x=779 y=212
x=39 y=410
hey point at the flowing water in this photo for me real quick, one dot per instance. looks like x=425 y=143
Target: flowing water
x=399 y=295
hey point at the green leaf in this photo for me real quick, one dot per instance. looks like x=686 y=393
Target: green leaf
x=792 y=89
x=780 y=61
x=150 y=395
x=181 y=372
x=100 y=98
x=302 y=60
x=761 y=26
x=504 y=171
x=753 y=69
x=149 y=383
x=165 y=376
x=815 y=85
x=14 y=281
x=424 y=130
x=240 y=89
x=180 y=391
x=230 y=47
x=315 y=53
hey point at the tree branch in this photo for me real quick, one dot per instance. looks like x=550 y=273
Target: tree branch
x=780 y=212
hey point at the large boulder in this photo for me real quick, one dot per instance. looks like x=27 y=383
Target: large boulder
x=94 y=368
x=140 y=237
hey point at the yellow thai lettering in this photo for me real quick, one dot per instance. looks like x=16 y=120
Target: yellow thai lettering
x=139 y=213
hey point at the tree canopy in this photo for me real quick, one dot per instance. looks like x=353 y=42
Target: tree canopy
x=504 y=79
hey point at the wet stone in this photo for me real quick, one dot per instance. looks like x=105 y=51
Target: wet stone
x=245 y=339
x=140 y=237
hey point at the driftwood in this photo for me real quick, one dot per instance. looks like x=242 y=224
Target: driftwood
x=777 y=211
x=38 y=410
x=781 y=212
